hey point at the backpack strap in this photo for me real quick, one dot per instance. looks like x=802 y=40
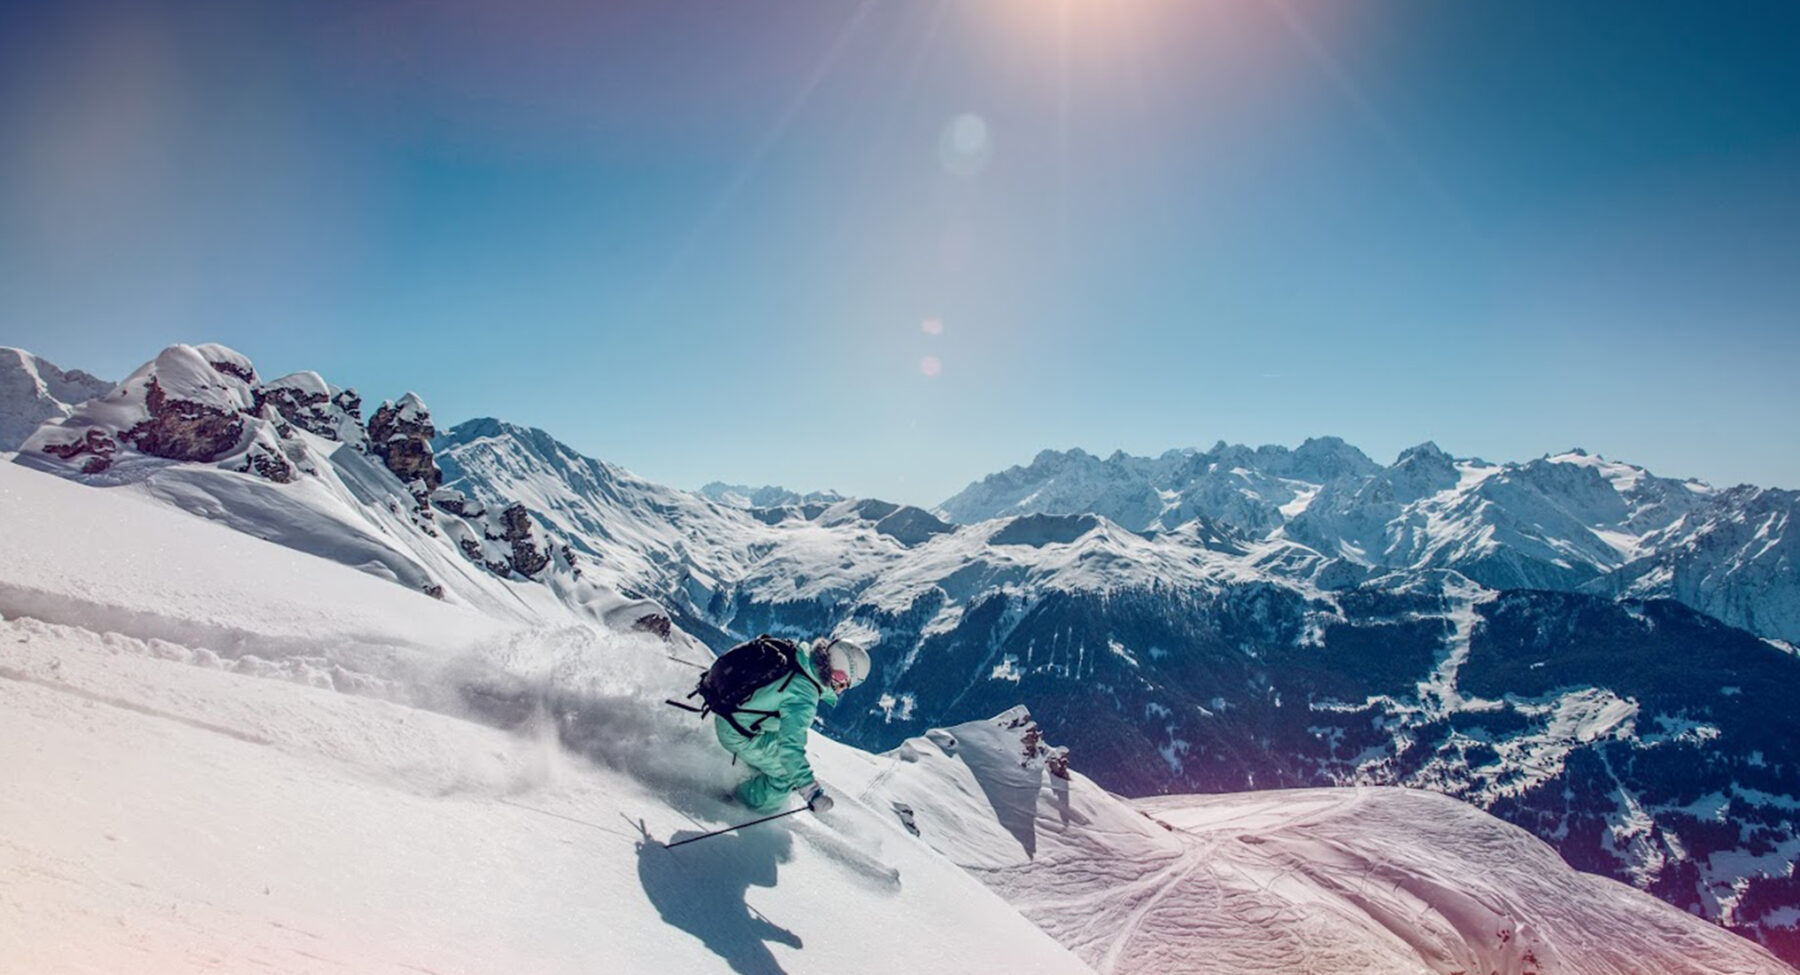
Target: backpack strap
x=794 y=667
x=799 y=668
x=755 y=726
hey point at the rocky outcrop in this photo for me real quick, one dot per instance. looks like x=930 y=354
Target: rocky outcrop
x=307 y=401
x=527 y=559
x=654 y=623
x=1033 y=752
x=189 y=404
x=227 y=362
x=201 y=404
x=192 y=422
x=453 y=502
x=184 y=429
x=272 y=455
x=400 y=434
x=97 y=445
x=268 y=466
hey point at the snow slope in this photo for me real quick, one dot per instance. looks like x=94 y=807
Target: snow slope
x=207 y=819
x=1376 y=880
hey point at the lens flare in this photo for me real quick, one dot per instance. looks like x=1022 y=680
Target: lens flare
x=932 y=326
x=931 y=366
x=965 y=145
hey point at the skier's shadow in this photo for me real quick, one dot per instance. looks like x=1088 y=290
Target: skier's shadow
x=701 y=887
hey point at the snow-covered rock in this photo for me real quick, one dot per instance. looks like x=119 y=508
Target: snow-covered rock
x=307 y=401
x=400 y=434
x=191 y=403
x=1737 y=559
x=288 y=461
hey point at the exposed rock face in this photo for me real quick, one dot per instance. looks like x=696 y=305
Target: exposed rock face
x=655 y=623
x=227 y=362
x=268 y=455
x=307 y=401
x=269 y=467
x=527 y=558
x=180 y=429
x=1034 y=754
x=348 y=401
x=453 y=502
x=97 y=443
x=400 y=434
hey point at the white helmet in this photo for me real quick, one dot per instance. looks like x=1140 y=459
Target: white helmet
x=842 y=656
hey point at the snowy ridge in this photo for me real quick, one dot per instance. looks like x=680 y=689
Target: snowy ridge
x=212 y=817
x=1569 y=521
x=33 y=391
x=768 y=496
x=291 y=461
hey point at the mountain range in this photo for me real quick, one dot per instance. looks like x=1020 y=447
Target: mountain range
x=258 y=759
x=1595 y=654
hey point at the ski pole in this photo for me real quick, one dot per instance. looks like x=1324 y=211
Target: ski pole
x=690 y=663
x=753 y=822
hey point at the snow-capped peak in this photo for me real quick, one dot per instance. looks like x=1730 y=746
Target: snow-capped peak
x=33 y=391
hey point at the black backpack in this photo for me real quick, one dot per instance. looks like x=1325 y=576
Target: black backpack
x=742 y=671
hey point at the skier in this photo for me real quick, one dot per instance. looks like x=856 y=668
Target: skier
x=763 y=695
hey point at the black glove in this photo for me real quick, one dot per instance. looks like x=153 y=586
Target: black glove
x=815 y=798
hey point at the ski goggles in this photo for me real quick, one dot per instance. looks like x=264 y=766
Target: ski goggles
x=840 y=680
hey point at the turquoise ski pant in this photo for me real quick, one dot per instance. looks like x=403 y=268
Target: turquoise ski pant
x=767 y=755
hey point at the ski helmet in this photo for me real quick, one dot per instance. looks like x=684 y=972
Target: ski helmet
x=847 y=658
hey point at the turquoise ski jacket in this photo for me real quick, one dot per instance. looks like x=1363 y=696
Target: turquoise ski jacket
x=778 y=749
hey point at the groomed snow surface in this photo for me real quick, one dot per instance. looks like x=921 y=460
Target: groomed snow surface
x=225 y=755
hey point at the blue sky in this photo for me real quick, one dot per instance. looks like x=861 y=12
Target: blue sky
x=890 y=247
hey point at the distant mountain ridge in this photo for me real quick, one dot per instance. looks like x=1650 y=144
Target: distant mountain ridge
x=768 y=496
x=1570 y=521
